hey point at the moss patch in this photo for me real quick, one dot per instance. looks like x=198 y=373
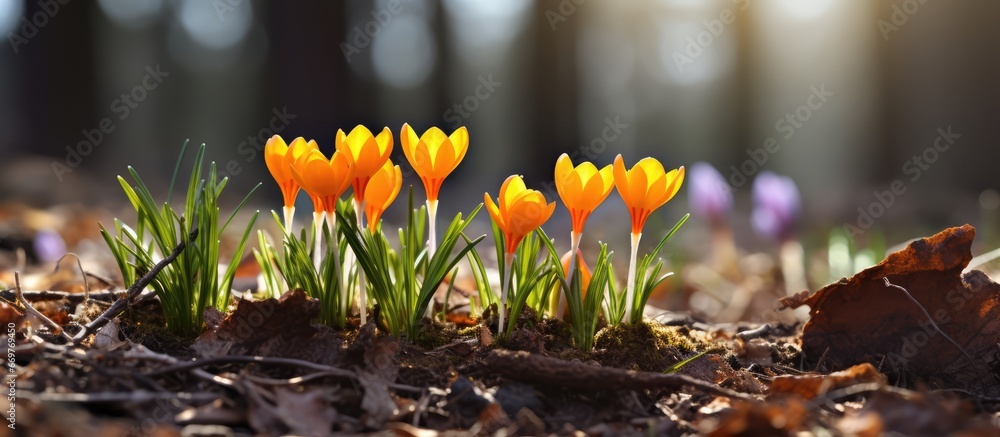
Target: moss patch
x=644 y=346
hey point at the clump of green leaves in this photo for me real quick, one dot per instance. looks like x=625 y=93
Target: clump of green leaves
x=403 y=282
x=293 y=267
x=585 y=308
x=533 y=275
x=193 y=281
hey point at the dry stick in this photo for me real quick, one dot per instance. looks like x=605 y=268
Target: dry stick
x=938 y=329
x=132 y=291
x=141 y=352
x=538 y=369
x=322 y=369
x=42 y=295
x=28 y=308
x=83 y=273
x=133 y=396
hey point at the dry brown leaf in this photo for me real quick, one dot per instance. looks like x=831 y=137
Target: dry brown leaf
x=380 y=370
x=862 y=320
x=254 y=324
x=910 y=413
x=715 y=369
x=307 y=413
x=779 y=418
x=811 y=385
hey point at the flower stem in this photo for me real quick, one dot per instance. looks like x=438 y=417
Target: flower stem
x=574 y=247
x=317 y=237
x=331 y=224
x=508 y=262
x=432 y=206
x=359 y=210
x=289 y=216
x=630 y=286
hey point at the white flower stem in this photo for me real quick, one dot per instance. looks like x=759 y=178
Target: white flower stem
x=317 y=238
x=359 y=209
x=508 y=262
x=630 y=286
x=289 y=216
x=574 y=247
x=432 y=206
x=331 y=224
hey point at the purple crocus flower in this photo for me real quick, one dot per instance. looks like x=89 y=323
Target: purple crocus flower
x=776 y=206
x=49 y=246
x=708 y=193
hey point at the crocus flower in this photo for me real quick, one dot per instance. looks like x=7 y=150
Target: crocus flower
x=381 y=191
x=709 y=193
x=49 y=246
x=325 y=180
x=582 y=189
x=434 y=156
x=520 y=212
x=776 y=206
x=644 y=188
x=369 y=153
x=279 y=158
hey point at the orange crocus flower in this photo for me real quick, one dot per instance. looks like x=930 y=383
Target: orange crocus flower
x=368 y=152
x=582 y=189
x=434 y=155
x=520 y=211
x=645 y=187
x=324 y=179
x=279 y=158
x=381 y=191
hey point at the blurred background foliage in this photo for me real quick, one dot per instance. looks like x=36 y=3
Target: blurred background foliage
x=850 y=94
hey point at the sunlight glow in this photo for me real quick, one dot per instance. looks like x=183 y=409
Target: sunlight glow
x=10 y=15
x=805 y=9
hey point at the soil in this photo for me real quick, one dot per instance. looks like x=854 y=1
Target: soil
x=262 y=368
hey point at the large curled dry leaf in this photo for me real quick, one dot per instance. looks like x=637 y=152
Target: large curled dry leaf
x=861 y=319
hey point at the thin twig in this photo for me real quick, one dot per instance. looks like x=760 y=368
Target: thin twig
x=975 y=368
x=539 y=369
x=74 y=298
x=132 y=396
x=184 y=366
x=141 y=352
x=28 y=308
x=322 y=370
x=83 y=273
x=132 y=292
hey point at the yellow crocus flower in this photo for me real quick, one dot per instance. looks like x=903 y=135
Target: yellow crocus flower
x=644 y=188
x=279 y=158
x=381 y=191
x=520 y=211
